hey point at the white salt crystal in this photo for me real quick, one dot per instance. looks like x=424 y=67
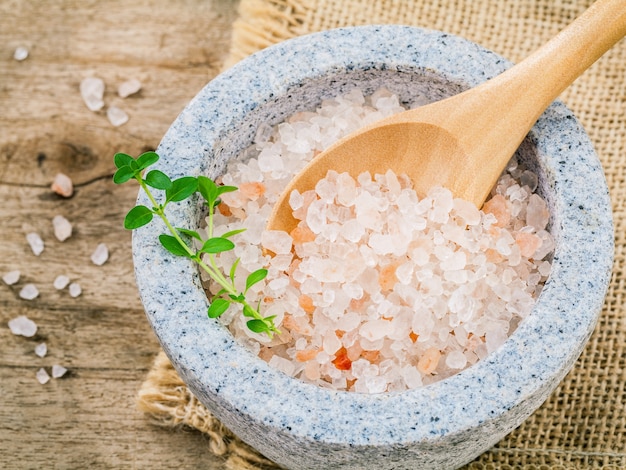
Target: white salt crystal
x=58 y=371
x=75 y=289
x=62 y=227
x=61 y=282
x=29 y=292
x=20 y=54
x=375 y=329
x=23 y=326
x=117 y=116
x=35 y=242
x=92 y=91
x=12 y=277
x=62 y=185
x=296 y=200
x=276 y=241
x=100 y=255
x=42 y=376
x=41 y=349
x=129 y=87
x=282 y=364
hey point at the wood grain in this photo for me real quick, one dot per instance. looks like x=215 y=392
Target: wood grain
x=88 y=418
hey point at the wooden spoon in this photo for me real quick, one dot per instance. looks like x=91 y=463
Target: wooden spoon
x=464 y=142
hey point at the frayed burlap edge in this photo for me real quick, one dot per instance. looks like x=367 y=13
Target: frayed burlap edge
x=165 y=398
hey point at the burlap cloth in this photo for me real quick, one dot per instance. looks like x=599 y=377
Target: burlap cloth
x=583 y=424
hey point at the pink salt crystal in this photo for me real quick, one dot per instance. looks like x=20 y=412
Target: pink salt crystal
x=456 y=360
x=12 y=277
x=467 y=211
x=62 y=228
x=23 y=326
x=42 y=376
x=129 y=87
x=497 y=206
x=62 y=185
x=276 y=241
x=528 y=243
x=429 y=361
x=537 y=214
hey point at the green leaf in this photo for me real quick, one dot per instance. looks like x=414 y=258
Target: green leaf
x=123 y=174
x=208 y=189
x=225 y=189
x=181 y=189
x=122 y=159
x=258 y=326
x=217 y=307
x=233 y=269
x=255 y=277
x=233 y=232
x=238 y=298
x=189 y=233
x=249 y=312
x=172 y=245
x=158 y=180
x=217 y=245
x=146 y=159
x=137 y=217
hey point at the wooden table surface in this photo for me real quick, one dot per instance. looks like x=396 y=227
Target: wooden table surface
x=88 y=418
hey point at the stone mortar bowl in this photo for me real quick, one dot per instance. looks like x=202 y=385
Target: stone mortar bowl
x=442 y=425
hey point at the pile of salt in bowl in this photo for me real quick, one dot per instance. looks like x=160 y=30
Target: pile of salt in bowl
x=377 y=290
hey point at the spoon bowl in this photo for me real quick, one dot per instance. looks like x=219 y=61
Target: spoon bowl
x=464 y=142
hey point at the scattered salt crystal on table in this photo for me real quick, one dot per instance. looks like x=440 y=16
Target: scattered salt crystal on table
x=92 y=92
x=61 y=282
x=75 y=289
x=129 y=87
x=62 y=227
x=23 y=326
x=29 y=292
x=100 y=255
x=62 y=185
x=20 y=54
x=41 y=349
x=12 y=277
x=117 y=116
x=42 y=376
x=58 y=371
x=35 y=242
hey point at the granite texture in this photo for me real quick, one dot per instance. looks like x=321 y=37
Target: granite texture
x=440 y=426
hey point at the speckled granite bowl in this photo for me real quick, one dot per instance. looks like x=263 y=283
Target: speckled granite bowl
x=443 y=425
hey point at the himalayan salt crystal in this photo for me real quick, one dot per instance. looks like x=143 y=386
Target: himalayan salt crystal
x=62 y=228
x=467 y=211
x=456 y=360
x=20 y=53
x=117 y=116
x=129 y=87
x=429 y=361
x=29 y=292
x=58 y=371
x=528 y=243
x=75 y=290
x=282 y=364
x=497 y=206
x=23 y=326
x=12 y=277
x=61 y=282
x=252 y=190
x=35 y=242
x=276 y=241
x=537 y=214
x=42 y=376
x=62 y=185
x=100 y=255
x=41 y=349
x=92 y=92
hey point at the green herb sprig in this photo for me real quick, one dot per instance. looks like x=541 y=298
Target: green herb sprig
x=180 y=241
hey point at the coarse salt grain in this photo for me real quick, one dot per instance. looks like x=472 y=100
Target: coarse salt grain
x=58 y=371
x=129 y=87
x=100 y=255
x=394 y=291
x=75 y=290
x=29 y=292
x=23 y=326
x=117 y=116
x=12 y=277
x=42 y=376
x=92 y=92
x=62 y=228
x=62 y=185
x=41 y=349
x=35 y=242
x=20 y=54
x=61 y=282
